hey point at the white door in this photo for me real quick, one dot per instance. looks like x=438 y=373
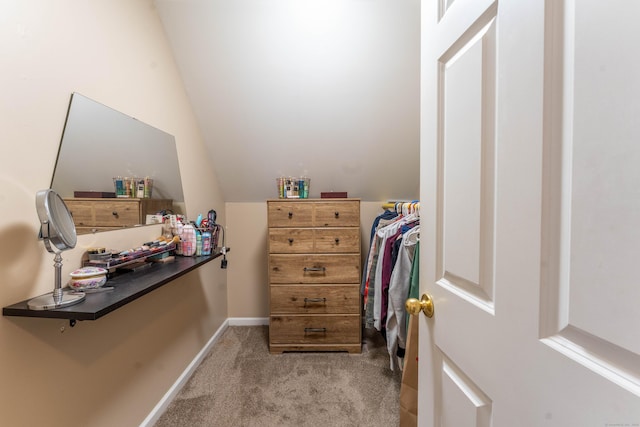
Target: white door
x=530 y=242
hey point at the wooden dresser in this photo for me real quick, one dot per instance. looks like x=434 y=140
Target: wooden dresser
x=91 y=215
x=314 y=275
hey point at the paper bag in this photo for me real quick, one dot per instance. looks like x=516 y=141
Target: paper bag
x=409 y=385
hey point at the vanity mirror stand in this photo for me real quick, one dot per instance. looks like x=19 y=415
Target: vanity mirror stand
x=58 y=233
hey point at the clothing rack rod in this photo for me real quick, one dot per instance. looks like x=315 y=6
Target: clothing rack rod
x=392 y=204
x=403 y=207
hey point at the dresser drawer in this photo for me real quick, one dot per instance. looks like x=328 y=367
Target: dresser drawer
x=321 y=329
x=82 y=213
x=290 y=214
x=303 y=213
x=337 y=214
x=107 y=213
x=118 y=213
x=309 y=240
x=291 y=240
x=315 y=299
x=318 y=268
x=97 y=214
x=337 y=240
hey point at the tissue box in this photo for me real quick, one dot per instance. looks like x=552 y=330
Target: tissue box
x=333 y=195
x=94 y=194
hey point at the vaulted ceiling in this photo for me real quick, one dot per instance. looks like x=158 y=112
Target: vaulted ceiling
x=324 y=88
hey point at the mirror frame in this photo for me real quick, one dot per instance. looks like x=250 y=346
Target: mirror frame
x=57 y=227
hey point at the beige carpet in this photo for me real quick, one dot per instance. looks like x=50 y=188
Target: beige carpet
x=241 y=384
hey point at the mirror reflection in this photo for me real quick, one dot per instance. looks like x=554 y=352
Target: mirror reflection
x=99 y=144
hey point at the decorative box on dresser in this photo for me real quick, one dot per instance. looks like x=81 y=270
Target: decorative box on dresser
x=314 y=275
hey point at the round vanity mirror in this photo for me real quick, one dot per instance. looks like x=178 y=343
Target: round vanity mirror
x=57 y=228
x=58 y=232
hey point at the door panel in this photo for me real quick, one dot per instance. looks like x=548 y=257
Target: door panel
x=463 y=403
x=531 y=230
x=593 y=228
x=466 y=150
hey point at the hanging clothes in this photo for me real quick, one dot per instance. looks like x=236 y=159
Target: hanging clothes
x=414 y=287
x=387 y=276
x=387 y=215
x=399 y=286
x=372 y=263
x=385 y=233
x=390 y=261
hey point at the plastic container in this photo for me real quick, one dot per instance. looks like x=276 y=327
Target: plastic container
x=206 y=242
x=118 y=184
x=280 y=182
x=88 y=278
x=188 y=240
x=304 y=187
x=198 y=243
x=293 y=188
x=127 y=182
x=139 y=188
x=179 y=233
x=148 y=187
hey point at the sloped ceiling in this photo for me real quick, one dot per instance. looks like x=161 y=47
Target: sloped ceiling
x=324 y=88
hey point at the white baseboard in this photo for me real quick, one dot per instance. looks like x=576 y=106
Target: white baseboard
x=162 y=406
x=248 y=321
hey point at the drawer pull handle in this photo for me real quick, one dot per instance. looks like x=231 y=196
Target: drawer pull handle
x=290 y=215
x=311 y=330
x=290 y=241
x=323 y=269
x=114 y=213
x=322 y=300
x=337 y=214
x=337 y=241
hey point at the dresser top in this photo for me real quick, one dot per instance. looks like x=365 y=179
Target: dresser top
x=329 y=199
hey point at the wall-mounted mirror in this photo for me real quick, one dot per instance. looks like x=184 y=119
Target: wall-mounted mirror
x=99 y=143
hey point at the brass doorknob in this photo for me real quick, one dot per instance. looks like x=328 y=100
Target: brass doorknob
x=424 y=304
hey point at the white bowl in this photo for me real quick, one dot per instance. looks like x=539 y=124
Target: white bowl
x=87 y=278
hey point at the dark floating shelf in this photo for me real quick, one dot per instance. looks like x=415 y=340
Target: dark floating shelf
x=127 y=286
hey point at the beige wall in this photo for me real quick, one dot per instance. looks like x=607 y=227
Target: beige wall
x=329 y=89
x=247 y=275
x=247 y=229
x=113 y=371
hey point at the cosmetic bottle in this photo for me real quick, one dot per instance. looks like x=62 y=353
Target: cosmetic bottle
x=188 y=240
x=198 y=243
x=206 y=242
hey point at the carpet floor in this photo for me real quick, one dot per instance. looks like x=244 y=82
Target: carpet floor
x=240 y=383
